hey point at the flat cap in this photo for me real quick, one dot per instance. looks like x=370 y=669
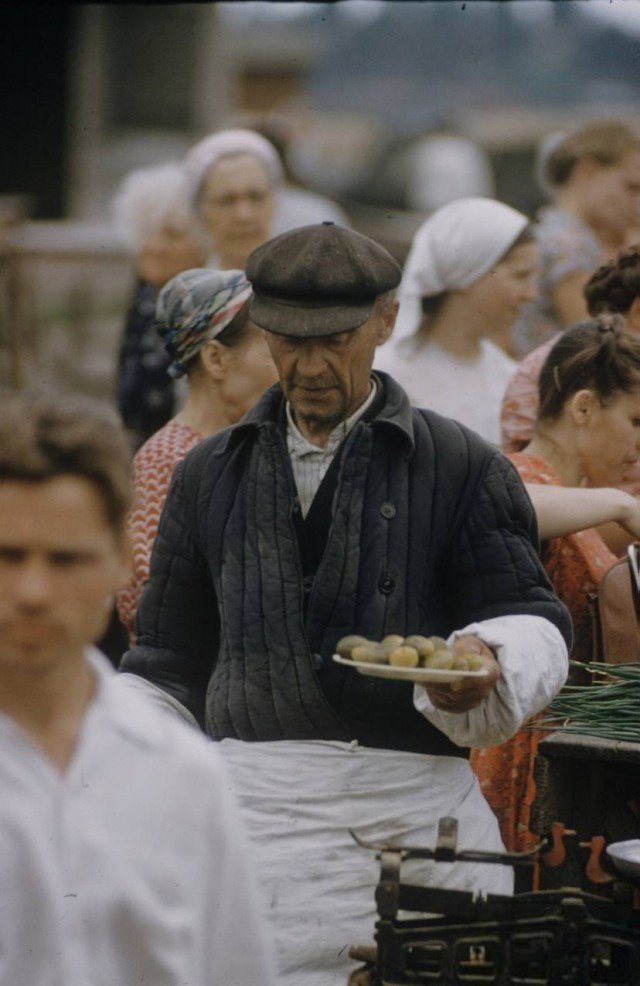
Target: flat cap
x=318 y=280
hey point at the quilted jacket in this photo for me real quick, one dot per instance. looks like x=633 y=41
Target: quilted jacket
x=431 y=529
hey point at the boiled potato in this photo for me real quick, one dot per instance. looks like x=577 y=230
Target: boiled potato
x=369 y=653
x=441 y=659
x=404 y=657
x=423 y=645
x=439 y=643
x=460 y=663
x=391 y=641
x=475 y=662
x=345 y=646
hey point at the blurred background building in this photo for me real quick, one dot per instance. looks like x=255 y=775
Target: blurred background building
x=393 y=108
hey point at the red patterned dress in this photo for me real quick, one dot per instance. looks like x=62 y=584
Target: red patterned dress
x=152 y=469
x=575 y=565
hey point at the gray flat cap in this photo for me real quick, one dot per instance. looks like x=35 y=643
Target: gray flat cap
x=318 y=280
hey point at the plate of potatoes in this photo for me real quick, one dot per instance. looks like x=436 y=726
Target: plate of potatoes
x=414 y=658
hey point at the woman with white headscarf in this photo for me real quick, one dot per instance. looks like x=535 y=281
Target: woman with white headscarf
x=472 y=266
x=233 y=177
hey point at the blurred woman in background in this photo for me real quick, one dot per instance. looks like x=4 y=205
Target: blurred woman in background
x=233 y=177
x=203 y=318
x=472 y=266
x=587 y=433
x=152 y=211
x=613 y=289
x=594 y=176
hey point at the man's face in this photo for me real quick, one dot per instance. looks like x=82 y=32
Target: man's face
x=60 y=563
x=614 y=194
x=326 y=379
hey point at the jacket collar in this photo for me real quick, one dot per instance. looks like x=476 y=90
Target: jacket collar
x=395 y=413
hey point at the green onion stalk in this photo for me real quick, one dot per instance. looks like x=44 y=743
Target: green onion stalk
x=608 y=708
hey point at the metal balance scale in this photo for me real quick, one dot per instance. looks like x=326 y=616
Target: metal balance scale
x=564 y=936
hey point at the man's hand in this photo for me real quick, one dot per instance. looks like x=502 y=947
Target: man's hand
x=467 y=693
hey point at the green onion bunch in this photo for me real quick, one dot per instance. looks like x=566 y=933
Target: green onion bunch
x=609 y=708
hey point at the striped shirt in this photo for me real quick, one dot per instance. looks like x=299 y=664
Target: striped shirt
x=310 y=462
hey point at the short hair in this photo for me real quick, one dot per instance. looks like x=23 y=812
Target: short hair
x=148 y=199
x=605 y=141
x=44 y=436
x=616 y=285
x=597 y=355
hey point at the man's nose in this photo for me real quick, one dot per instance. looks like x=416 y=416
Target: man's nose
x=33 y=585
x=310 y=362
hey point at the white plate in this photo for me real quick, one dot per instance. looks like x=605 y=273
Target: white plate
x=419 y=675
x=626 y=856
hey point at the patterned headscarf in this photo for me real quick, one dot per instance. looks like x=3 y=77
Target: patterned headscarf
x=194 y=307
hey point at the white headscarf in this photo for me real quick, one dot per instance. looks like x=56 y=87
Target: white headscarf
x=226 y=143
x=456 y=246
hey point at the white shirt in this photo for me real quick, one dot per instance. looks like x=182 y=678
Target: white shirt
x=310 y=462
x=129 y=867
x=468 y=390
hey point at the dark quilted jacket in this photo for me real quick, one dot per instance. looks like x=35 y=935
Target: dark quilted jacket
x=432 y=529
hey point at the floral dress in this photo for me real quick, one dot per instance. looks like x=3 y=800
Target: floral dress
x=153 y=466
x=145 y=391
x=575 y=565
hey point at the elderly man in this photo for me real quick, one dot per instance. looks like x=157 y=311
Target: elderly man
x=336 y=508
x=120 y=856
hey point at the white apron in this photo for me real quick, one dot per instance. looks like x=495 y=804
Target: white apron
x=301 y=797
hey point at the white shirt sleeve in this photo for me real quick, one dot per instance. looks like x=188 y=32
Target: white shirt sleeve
x=534 y=663
x=239 y=948
x=158 y=697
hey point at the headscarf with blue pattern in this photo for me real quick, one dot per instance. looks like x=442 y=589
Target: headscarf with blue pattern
x=194 y=307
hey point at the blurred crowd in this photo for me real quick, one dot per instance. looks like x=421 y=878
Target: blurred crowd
x=526 y=331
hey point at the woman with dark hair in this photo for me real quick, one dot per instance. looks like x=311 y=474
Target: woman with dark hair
x=593 y=175
x=613 y=289
x=587 y=434
x=203 y=318
x=472 y=266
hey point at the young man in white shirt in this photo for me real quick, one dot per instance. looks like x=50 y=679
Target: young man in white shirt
x=120 y=856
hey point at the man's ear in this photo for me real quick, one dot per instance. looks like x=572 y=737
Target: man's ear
x=213 y=359
x=388 y=315
x=632 y=318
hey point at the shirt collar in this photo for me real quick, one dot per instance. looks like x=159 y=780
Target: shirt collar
x=300 y=445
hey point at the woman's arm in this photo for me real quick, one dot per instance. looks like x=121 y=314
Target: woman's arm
x=563 y=510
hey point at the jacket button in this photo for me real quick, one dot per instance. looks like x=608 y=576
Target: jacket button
x=386 y=585
x=388 y=511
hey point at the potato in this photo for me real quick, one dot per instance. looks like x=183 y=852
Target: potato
x=391 y=641
x=345 y=646
x=441 y=660
x=439 y=643
x=475 y=662
x=369 y=653
x=404 y=657
x=423 y=645
x=460 y=663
